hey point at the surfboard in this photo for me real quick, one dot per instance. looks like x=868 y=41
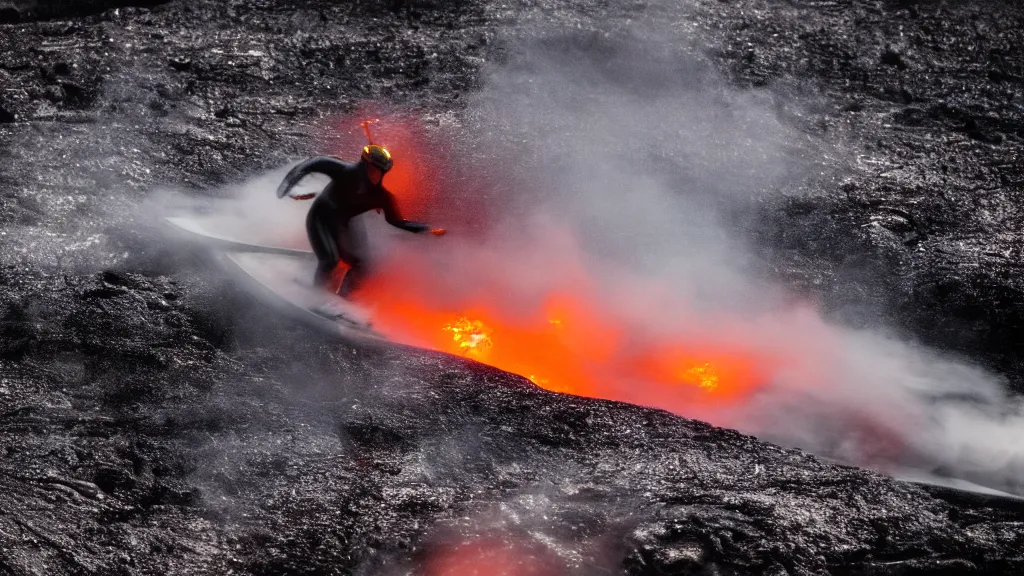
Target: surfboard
x=196 y=229
x=283 y=279
x=955 y=485
x=285 y=283
x=963 y=489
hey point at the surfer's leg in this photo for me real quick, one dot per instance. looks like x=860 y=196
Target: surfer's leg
x=354 y=276
x=347 y=240
x=323 y=239
x=323 y=274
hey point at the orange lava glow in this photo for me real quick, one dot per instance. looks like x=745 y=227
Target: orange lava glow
x=491 y=558
x=471 y=337
x=563 y=339
x=409 y=178
x=563 y=342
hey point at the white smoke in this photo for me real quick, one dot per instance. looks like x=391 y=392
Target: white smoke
x=619 y=157
x=639 y=147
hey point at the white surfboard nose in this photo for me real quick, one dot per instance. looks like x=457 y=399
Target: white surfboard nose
x=343 y=312
x=283 y=278
x=285 y=282
x=200 y=230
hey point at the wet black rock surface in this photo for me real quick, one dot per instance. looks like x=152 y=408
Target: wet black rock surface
x=929 y=97
x=153 y=421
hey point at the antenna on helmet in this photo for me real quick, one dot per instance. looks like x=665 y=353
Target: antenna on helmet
x=366 y=129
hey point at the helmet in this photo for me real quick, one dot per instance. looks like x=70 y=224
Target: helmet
x=378 y=156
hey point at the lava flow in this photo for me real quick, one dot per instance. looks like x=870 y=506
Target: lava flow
x=557 y=332
x=563 y=341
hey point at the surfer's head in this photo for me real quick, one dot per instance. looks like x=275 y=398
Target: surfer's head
x=377 y=160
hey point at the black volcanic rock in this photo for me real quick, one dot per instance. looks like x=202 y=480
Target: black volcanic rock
x=9 y=14
x=135 y=445
x=156 y=420
x=963 y=188
x=28 y=10
x=892 y=58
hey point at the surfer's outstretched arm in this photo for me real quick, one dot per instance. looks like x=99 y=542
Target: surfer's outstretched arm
x=327 y=165
x=394 y=217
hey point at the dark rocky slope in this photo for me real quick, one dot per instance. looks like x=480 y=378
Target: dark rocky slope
x=928 y=100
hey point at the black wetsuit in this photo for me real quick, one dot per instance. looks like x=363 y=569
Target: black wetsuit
x=331 y=234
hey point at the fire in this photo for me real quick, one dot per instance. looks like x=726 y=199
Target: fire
x=704 y=376
x=563 y=342
x=472 y=337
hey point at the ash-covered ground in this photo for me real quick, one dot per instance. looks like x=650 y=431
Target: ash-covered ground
x=157 y=419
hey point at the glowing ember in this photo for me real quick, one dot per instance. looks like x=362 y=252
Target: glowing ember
x=704 y=376
x=472 y=337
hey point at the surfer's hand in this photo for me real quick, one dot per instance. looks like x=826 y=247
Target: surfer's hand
x=303 y=197
x=438 y=231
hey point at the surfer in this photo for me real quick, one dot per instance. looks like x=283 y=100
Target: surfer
x=355 y=188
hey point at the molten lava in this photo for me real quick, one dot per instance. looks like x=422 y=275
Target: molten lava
x=472 y=337
x=560 y=334
x=565 y=341
x=704 y=376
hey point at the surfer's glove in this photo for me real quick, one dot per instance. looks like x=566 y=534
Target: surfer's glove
x=417 y=227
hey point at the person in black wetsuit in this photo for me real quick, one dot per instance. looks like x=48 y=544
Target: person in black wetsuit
x=355 y=188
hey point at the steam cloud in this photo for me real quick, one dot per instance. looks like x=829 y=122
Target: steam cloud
x=617 y=160
x=641 y=149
